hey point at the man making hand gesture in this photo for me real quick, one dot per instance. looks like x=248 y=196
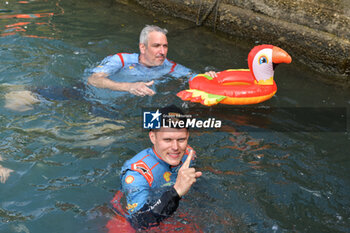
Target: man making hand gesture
x=155 y=179
x=186 y=176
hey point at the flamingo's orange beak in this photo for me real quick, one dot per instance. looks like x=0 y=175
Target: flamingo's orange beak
x=280 y=56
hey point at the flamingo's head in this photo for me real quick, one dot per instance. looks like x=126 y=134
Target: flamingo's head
x=263 y=59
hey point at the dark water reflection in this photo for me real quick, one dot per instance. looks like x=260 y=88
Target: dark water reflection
x=63 y=152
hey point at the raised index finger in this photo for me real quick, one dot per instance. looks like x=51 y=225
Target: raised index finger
x=188 y=160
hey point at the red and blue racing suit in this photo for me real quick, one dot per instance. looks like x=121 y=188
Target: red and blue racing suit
x=125 y=67
x=128 y=64
x=147 y=181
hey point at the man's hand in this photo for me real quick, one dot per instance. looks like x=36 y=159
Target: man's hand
x=186 y=177
x=211 y=74
x=141 y=88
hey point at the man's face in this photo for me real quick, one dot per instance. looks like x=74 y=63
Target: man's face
x=170 y=144
x=156 y=50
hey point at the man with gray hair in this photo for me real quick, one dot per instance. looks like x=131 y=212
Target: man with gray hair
x=140 y=69
x=150 y=64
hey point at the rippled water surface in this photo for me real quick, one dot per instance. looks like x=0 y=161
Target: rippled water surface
x=61 y=150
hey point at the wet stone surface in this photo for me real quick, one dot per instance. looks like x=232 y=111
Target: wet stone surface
x=315 y=32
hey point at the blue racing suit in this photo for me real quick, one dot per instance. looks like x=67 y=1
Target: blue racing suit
x=147 y=181
x=125 y=67
x=128 y=64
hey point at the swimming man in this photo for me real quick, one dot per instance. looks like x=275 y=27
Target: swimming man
x=155 y=179
x=151 y=63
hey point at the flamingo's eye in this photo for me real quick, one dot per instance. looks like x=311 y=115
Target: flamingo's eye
x=263 y=59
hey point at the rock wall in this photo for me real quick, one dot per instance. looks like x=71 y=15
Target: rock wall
x=314 y=32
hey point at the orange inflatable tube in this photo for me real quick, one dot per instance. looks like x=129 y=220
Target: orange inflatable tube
x=241 y=86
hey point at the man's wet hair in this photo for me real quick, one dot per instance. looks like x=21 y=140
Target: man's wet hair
x=148 y=29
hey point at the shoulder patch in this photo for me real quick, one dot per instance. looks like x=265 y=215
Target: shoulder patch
x=129 y=179
x=142 y=168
